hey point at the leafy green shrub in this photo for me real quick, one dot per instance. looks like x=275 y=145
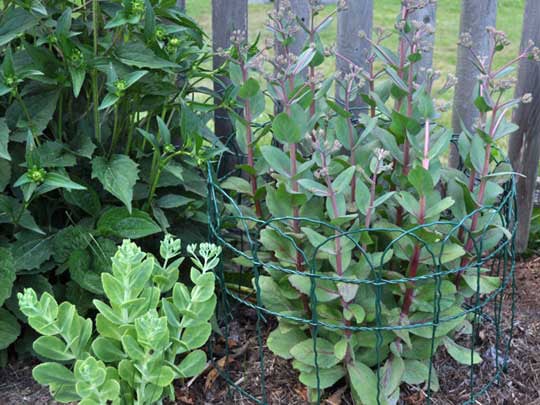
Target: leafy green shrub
x=354 y=217
x=148 y=322
x=100 y=138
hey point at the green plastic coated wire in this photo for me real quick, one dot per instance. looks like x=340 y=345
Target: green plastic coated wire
x=481 y=309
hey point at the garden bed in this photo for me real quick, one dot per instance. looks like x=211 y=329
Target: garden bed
x=519 y=385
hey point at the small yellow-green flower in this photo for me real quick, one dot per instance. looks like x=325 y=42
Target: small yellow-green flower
x=36 y=174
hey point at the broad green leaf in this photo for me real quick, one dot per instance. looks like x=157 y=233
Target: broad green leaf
x=362 y=196
x=276 y=159
x=119 y=222
x=31 y=251
x=421 y=180
x=237 y=184
x=7 y=274
x=136 y=54
x=477 y=153
x=249 y=89
x=53 y=373
x=325 y=290
x=391 y=374
x=439 y=207
x=117 y=175
x=327 y=377
x=304 y=352
x=482 y=105
x=396 y=79
x=281 y=340
x=41 y=108
x=59 y=180
x=108 y=350
x=9 y=328
x=434 y=256
x=343 y=181
x=4 y=140
x=462 y=355
x=282 y=247
x=77 y=79
x=193 y=364
x=382 y=199
x=83 y=273
x=319 y=241
x=108 y=101
x=483 y=284
x=416 y=372
x=364 y=384
x=15 y=22
x=196 y=336
x=170 y=201
x=314 y=187
x=304 y=60
x=69 y=239
x=450 y=319
x=164 y=377
x=52 y=348
x=286 y=129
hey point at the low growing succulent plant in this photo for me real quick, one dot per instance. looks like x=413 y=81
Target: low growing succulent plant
x=148 y=333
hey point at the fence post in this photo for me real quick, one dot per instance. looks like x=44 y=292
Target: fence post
x=427 y=15
x=357 y=17
x=476 y=16
x=524 y=146
x=181 y=4
x=227 y=16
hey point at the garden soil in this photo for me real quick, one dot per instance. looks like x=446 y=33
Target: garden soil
x=520 y=385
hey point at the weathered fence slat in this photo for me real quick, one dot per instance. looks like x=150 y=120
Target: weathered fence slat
x=301 y=10
x=476 y=16
x=524 y=147
x=227 y=16
x=357 y=17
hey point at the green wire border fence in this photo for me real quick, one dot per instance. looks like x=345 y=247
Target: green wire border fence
x=485 y=310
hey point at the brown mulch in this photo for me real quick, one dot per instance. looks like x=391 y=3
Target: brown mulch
x=519 y=385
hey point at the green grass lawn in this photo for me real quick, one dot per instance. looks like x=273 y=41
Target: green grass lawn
x=509 y=19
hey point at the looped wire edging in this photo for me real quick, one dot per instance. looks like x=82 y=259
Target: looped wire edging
x=501 y=259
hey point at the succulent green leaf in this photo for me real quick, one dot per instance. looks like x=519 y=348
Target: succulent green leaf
x=463 y=355
x=304 y=352
x=286 y=129
x=364 y=384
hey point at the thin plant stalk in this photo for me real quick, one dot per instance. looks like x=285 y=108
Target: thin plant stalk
x=415 y=258
x=94 y=74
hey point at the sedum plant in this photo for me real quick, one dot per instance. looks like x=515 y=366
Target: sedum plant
x=103 y=123
x=366 y=238
x=148 y=331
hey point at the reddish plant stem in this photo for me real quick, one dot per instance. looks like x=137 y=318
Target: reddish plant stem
x=296 y=211
x=312 y=68
x=337 y=244
x=415 y=259
x=249 y=142
x=372 y=189
x=350 y=128
x=372 y=110
x=481 y=193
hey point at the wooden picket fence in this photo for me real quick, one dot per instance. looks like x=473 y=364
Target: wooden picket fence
x=476 y=15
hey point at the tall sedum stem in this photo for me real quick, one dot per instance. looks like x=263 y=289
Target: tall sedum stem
x=415 y=258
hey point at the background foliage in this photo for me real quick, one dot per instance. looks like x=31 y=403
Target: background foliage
x=102 y=125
